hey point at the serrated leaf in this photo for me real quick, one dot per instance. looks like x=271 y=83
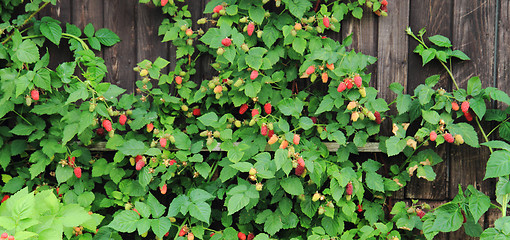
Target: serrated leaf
x=107 y=37
x=27 y=52
x=125 y=221
x=132 y=147
x=292 y=185
x=51 y=31
x=440 y=41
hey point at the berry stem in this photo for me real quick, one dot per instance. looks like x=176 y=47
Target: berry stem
x=483 y=132
x=506 y=120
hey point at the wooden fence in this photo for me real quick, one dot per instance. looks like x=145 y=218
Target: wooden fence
x=480 y=28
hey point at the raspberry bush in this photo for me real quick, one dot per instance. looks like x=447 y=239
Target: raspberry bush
x=261 y=150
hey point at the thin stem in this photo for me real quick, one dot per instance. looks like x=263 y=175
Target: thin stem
x=506 y=120
x=64 y=35
x=26 y=21
x=22 y=117
x=505 y=205
x=483 y=133
x=449 y=73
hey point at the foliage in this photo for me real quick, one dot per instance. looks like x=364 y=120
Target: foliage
x=246 y=151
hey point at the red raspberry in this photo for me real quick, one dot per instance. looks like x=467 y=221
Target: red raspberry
x=167 y=233
x=465 y=106
x=138 y=158
x=107 y=125
x=34 y=94
x=448 y=137
x=122 y=119
x=263 y=130
x=378 y=119
x=267 y=108
x=226 y=42
x=270 y=133
x=299 y=170
x=358 y=81
x=254 y=74
x=360 y=208
x=241 y=236
x=100 y=131
x=243 y=109
x=4 y=235
x=349 y=84
x=325 y=21
x=455 y=106
x=464 y=217
x=196 y=112
x=296 y=139
x=349 y=189
x=301 y=162
x=77 y=172
x=254 y=112
x=71 y=160
x=420 y=213
x=341 y=87
x=139 y=165
x=314 y=120
x=284 y=144
x=384 y=2
x=163 y=189
x=5 y=198
x=310 y=70
x=330 y=66
x=172 y=162
x=164 y=2
x=217 y=9
x=162 y=142
x=150 y=127
x=251 y=28
x=251 y=236
x=433 y=136
x=468 y=116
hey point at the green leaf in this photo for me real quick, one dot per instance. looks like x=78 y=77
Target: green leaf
x=357 y=12
x=431 y=116
x=498 y=164
x=69 y=132
x=270 y=35
x=292 y=185
x=125 y=221
x=257 y=14
x=51 y=31
x=273 y=224
x=27 y=52
x=73 y=215
x=200 y=211
x=89 y=30
x=440 y=41
x=252 y=89
x=182 y=141
x=63 y=173
x=299 y=45
x=208 y=119
x=198 y=195
x=161 y=226
x=23 y=130
x=474 y=86
x=375 y=181
x=305 y=123
x=427 y=55
x=326 y=105
x=291 y=106
x=478 y=106
x=479 y=203
x=133 y=147
x=448 y=218
x=460 y=55
x=236 y=203
x=467 y=132
x=297 y=7
x=107 y=37
x=497 y=144
x=395 y=145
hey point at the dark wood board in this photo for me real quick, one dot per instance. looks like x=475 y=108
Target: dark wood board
x=62 y=12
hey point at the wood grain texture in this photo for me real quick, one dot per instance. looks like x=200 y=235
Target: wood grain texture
x=473 y=33
x=419 y=188
x=364 y=37
x=62 y=12
x=88 y=11
x=392 y=48
x=120 y=58
x=148 y=43
x=503 y=62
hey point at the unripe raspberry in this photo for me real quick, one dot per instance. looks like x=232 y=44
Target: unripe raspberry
x=284 y=144
x=354 y=116
x=218 y=89
x=189 y=32
x=296 y=139
x=465 y=106
x=433 y=136
x=237 y=123
x=252 y=171
x=190 y=236
x=273 y=140
x=362 y=91
x=150 y=127
x=330 y=66
x=243 y=20
x=220 y=51
x=202 y=21
x=245 y=47
x=324 y=77
x=321 y=210
x=352 y=105
x=298 y=26
x=316 y=197
x=455 y=106
x=458 y=140
x=184 y=108
x=163 y=189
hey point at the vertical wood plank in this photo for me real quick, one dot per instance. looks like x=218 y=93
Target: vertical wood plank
x=364 y=37
x=503 y=64
x=203 y=64
x=473 y=28
x=392 y=48
x=88 y=11
x=120 y=59
x=149 y=45
x=62 y=11
x=436 y=17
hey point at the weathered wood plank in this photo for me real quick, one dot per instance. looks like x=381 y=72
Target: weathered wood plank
x=62 y=11
x=436 y=17
x=88 y=11
x=503 y=62
x=120 y=59
x=149 y=45
x=364 y=37
x=392 y=48
x=473 y=33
